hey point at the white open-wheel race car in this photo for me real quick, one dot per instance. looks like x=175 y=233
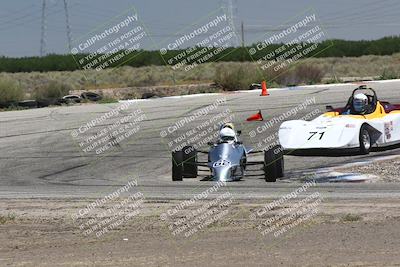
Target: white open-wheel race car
x=364 y=123
x=227 y=160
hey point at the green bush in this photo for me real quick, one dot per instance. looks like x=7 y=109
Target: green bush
x=301 y=74
x=107 y=100
x=10 y=91
x=52 y=90
x=236 y=76
x=6 y=218
x=309 y=74
x=328 y=48
x=233 y=77
x=388 y=74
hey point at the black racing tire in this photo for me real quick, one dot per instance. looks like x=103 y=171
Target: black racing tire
x=177 y=166
x=365 y=140
x=42 y=103
x=91 y=96
x=8 y=104
x=280 y=163
x=28 y=104
x=270 y=165
x=189 y=162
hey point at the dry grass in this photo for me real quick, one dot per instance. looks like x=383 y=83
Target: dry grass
x=351 y=218
x=10 y=90
x=51 y=90
x=232 y=75
x=7 y=218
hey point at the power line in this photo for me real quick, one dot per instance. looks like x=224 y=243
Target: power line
x=22 y=13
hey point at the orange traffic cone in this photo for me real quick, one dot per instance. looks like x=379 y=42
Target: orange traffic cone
x=256 y=117
x=264 y=91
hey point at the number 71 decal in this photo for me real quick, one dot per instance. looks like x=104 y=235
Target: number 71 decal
x=312 y=134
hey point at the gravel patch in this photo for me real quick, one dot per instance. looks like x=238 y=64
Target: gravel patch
x=385 y=170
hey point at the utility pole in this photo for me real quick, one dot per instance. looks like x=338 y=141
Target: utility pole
x=242 y=34
x=43 y=37
x=243 y=44
x=68 y=26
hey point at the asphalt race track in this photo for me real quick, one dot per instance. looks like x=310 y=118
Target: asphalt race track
x=40 y=157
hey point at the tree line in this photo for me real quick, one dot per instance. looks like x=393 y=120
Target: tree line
x=328 y=48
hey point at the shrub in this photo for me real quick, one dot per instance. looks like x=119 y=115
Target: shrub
x=10 y=91
x=388 y=74
x=351 y=218
x=6 y=218
x=52 y=90
x=237 y=76
x=301 y=74
x=107 y=99
x=309 y=74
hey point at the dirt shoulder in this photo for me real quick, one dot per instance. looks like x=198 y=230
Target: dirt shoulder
x=41 y=232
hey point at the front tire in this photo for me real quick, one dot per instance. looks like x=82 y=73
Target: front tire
x=365 y=140
x=189 y=162
x=280 y=163
x=177 y=166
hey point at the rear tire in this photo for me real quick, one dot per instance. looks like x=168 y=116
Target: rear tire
x=177 y=166
x=365 y=140
x=270 y=166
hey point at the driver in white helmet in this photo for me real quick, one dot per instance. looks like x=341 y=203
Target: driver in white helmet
x=227 y=133
x=359 y=106
x=360 y=103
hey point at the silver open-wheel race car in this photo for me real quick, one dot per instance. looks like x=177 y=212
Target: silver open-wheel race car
x=227 y=160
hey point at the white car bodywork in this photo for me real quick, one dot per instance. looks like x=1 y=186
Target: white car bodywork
x=339 y=132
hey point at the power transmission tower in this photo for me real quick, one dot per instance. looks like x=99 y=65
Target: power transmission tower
x=230 y=9
x=68 y=26
x=43 y=37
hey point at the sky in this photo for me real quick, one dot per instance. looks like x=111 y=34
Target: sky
x=164 y=21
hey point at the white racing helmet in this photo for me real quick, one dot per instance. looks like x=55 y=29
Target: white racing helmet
x=360 y=102
x=227 y=134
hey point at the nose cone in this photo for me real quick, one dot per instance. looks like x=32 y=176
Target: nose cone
x=222 y=174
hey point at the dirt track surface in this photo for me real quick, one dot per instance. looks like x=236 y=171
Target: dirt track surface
x=46 y=178
x=344 y=233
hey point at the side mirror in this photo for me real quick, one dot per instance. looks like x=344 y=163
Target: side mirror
x=329 y=108
x=239 y=133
